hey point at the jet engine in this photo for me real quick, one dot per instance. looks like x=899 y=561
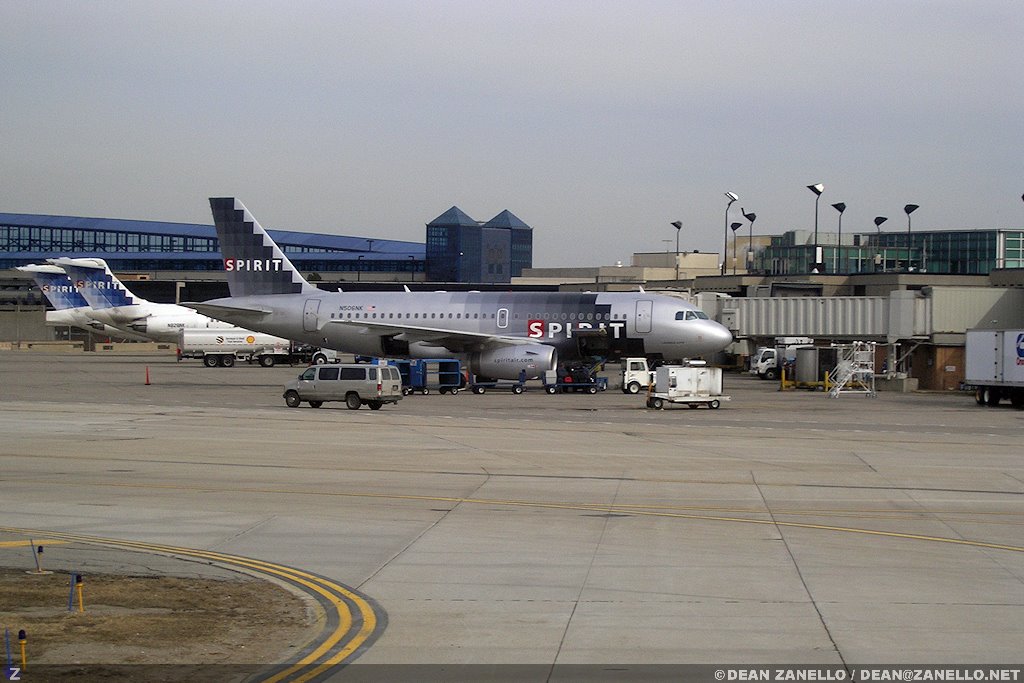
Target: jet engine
x=142 y=325
x=507 y=362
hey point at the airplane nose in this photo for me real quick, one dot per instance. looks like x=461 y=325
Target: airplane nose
x=714 y=337
x=720 y=335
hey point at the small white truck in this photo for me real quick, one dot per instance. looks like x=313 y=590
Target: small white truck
x=636 y=375
x=995 y=366
x=222 y=347
x=765 y=361
x=695 y=384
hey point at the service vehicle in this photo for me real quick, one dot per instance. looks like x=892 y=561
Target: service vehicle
x=765 y=361
x=355 y=384
x=321 y=356
x=636 y=375
x=222 y=347
x=694 y=384
x=995 y=366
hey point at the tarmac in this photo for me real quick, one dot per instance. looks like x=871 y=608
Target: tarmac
x=575 y=536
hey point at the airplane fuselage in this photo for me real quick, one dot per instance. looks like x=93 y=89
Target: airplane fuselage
x=577 y=325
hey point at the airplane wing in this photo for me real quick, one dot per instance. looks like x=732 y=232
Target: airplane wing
x=218 y=310
x=456 y=341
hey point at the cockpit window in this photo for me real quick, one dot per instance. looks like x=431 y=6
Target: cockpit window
x=691 y=315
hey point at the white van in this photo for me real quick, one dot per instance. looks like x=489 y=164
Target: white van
x=355 y=384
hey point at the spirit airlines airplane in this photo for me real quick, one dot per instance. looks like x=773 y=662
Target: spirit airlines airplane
x=112 y=303
x=497 y=334
x=69 y=306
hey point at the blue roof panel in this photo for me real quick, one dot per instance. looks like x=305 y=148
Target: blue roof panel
x=285 y=238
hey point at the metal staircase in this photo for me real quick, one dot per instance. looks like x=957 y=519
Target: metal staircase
x=855 y=369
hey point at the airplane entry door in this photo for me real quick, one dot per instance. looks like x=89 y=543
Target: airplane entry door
x=310 y=316
x=644 y=313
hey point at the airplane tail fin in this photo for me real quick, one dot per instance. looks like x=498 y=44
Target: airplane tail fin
x=252 y=260
x=57 y=287
x=98 y=284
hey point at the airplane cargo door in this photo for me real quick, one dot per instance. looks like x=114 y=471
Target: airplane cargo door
x=644 y=313
x=309 y=315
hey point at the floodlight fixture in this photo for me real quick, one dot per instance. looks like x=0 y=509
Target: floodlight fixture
x=735 y=227
x=725 y=244
x=817 y=189
x=678 y=225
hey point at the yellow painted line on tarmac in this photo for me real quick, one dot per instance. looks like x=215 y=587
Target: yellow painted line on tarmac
x=333 y=593
x=37 y=542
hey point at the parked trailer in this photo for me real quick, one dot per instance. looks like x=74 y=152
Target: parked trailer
x=693 y=385
x=574 y=379
x=421 y=375
x=222 y=347
x=515 y=386
x=995 y=366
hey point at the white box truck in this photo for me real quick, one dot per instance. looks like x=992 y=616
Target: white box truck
x=995 y=366
x=765 y=361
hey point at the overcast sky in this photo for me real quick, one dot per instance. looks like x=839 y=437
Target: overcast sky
x=597 y=123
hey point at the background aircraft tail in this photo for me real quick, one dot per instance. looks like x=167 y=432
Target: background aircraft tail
x=253 y=262
x=98 y=285
x=57 y=287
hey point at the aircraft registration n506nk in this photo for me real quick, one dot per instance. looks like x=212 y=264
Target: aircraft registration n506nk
x=499 y=335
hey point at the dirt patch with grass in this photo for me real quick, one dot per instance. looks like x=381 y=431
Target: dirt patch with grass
x=228 y=628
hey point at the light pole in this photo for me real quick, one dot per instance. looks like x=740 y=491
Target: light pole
x=817 y=189
x=735 y=227
x=750 y=239
x=880 y=256
x=840 y=207
x=725 y=245
x=359 y=267
x=678 y=225
x=909 y=209
x=412 y=268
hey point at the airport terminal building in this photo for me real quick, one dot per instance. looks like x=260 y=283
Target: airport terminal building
x=458 y=249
